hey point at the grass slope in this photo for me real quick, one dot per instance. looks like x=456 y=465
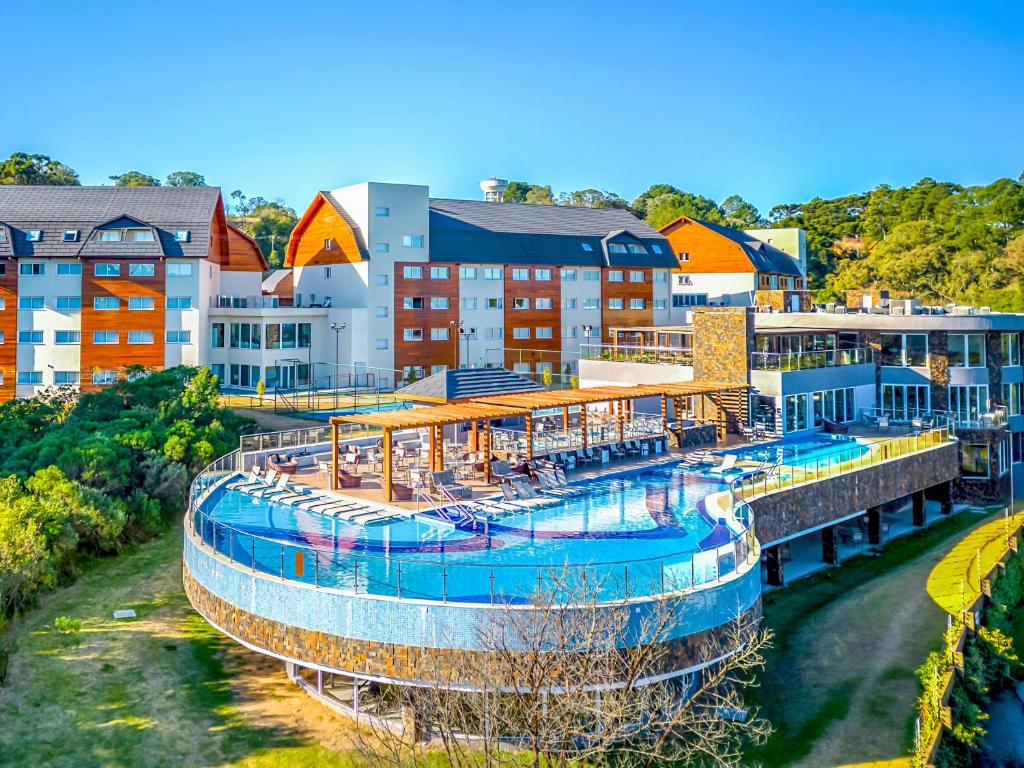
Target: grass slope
x=161 y=690
x=839 y=686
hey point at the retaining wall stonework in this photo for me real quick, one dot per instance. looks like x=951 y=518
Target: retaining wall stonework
x=788 y=512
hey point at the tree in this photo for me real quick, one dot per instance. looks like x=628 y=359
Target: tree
x=536 y=679
x=538 y=195
x=134 y=179
x=185 y=179
x=516 y=191
x=591 y=198
x=739 y=214
x=34 y=170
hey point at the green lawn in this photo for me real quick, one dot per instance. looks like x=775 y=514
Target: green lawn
x=163 y=689
x=839 y=686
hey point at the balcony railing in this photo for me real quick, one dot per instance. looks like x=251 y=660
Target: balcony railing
x=246 y=302
x=621 y=353
x=802 y=361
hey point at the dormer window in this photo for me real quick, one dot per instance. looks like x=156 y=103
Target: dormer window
x=182 y=235
x=587 y=247
x=3 y=235
x=34 y=235
x=139 y=235
x=616 y=248
x=70 y=235
x=656 y=248
x=109 y=236
x=635 y=248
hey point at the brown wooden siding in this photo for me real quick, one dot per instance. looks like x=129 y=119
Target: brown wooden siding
x=119 y=356
x=9 y=328
x=321 y=222
x=426 y=352
x=533 y=350
x=243 y=253
x=626 y=290
x=708 y=250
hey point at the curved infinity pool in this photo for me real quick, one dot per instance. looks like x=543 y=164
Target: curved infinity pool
x=818 y=447
x=628 y=536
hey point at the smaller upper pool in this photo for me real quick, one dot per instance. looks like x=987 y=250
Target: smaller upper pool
x=799 y=450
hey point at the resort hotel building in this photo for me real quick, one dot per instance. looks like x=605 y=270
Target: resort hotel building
x=704 y=433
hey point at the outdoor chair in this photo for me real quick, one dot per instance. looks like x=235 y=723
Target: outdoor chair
x=500 y=470
x=549 y=485
x=348 y=480
x=254 y=480
x=617 y=451
x=632 y=449
x=728 y=463
x=444 y=483
x=278 y=487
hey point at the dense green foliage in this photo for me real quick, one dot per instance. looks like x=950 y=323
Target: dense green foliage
x=134 y=179
x=23 y=168
x=82 y=475
x=269 y=223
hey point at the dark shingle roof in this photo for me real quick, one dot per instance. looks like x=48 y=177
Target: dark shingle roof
x=517 y=233
x=54 y=209
x=356 y=231
x=764 y=257
x=462 y=383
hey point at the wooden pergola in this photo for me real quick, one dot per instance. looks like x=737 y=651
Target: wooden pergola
x=432 y=418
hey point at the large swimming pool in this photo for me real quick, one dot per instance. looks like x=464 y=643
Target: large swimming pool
x=631 y=535
x=799 y=450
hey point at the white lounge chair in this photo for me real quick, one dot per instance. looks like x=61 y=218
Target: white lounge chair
x=280 y=487
x=254 y=479
x=728 y=463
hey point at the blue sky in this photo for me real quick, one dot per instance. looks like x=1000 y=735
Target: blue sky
x=775 y=101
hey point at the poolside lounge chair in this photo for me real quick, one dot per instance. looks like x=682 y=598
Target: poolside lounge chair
x=254 y=479
x=512 y=496
x=280 y=489
x=728 y=463
x=698 y=459
x=631 y=448
x=444 y=484
x=526 y=492
x=500 y=469
x=563 y=482
x=270 y=483
x=312 y=500
x=550 y=484
x=617 y=451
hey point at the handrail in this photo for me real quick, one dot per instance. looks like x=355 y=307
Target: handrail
x=635 y=353
x=800 y=361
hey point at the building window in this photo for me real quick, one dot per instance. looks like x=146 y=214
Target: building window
x=34 y=235
x=591 y=275
x=139 y=236
x=636 y=276
x=542 y=303
x=636 y=248
x=660 y=275
x=1011 y=398
x=30 y=337
x=141 y=337
x=412 y=370
x=382 y=343
x=1010 y=347
x=305 y=335
x=65 y=377
x=67 y=337
x=493 y=334
x=520 y=333
x=439 y=302
x=968 y=402
x=439 y=334
x=70 y=235
x=105 y=337
x=247 y=335
x=568 y=275
x=569 y=331
x=69 y=303
x=144 y=303
x=542 y=274
x=382 y=311
x=412 y=273
x=591 y=303
x=492 y=273
x=30 y=302
x=106 y=303
x=412 y=334
x=175 y=337
x=217 y=335
x=661 y=303
x=615 y=275
x=616 y=303
x=141 y=270
x=905 y=401
x=467 y=273
x=68 y=270
x=974 y=461
x=655 y=248
x=520 y=367
x=30 y=377
x=591 y=332
x=638 y=303
x=179 y=302
x=520 y=274
x=543 y=333
x=109 y=235
x=381 y=247
x=795 y=412
x=179 y=269
x=520 y=303
x=328 y=243
x=31 y=268
x=616 y=247
x=684 y=256
x=412 y=302
x=492 y=302
x=439 y=273
x=382 y=211
x=569 y=303
x=904 y=349
x=587 y=247
x=689 y=300
x=966 y=350
x=107 y=270
x=182 y=235
x=381 y=280
x=468 y=303
x=412 y=241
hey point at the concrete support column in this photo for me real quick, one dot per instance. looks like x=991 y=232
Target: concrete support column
x=774 y=562
x=830 y=545
x=875 y=525
x=944 y=494
x=917 y=503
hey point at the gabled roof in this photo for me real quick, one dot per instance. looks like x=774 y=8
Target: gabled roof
x=518 y=233
x=356 y=231
x=464 y=383
x=762 y=256
x=54 y=209
x=323 y=198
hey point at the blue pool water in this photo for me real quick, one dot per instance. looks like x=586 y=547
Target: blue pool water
x=372 y=408
x=818 y=447
x=639 y=529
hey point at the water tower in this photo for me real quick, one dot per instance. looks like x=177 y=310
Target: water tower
x=494 y=189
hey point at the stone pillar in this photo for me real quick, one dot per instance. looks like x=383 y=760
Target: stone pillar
x=875 y=525
x=774 y=563
x=943 y=493
x=830 y=545
x=917 y=502
x=412 y=723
